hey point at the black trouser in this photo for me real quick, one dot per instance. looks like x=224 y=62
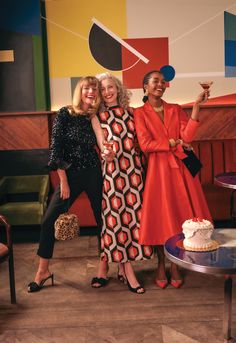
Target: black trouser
x=90 y=181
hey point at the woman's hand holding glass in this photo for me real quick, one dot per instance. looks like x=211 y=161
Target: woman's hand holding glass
x=108 y=153
x=202 y=97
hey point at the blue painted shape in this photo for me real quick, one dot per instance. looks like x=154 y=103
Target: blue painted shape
x=230 y=26
x=21 y=16
x=230 y=71
x=168 y=72
x=230 y=53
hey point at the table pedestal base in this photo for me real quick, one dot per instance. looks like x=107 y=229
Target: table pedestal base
x=227 y=308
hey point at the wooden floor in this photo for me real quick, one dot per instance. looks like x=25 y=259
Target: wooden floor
x=72 y=311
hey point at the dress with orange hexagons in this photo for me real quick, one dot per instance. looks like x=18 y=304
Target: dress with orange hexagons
x=122 y=190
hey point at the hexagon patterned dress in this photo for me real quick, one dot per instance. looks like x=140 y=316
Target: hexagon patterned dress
x=122 y=190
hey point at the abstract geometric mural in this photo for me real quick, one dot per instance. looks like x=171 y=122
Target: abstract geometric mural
x=134 y=57
x=22 y=73
x=155 y=49
x=101 y=37
x=123 y=37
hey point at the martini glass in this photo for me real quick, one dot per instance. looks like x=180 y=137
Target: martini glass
x=206 y=84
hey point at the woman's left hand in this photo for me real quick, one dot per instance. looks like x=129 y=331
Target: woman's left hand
x=108 y=155
x=202 y=97
x=187 y=146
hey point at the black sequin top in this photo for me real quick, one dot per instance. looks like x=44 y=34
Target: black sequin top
x=73 y=142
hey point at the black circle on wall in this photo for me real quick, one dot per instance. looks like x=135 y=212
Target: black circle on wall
x=105 y=49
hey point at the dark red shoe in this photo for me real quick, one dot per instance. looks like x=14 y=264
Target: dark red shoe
x=161 y=283
x=177 y=283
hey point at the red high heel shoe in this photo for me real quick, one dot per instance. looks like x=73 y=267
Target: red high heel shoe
x=177 y=283
x=161 y=283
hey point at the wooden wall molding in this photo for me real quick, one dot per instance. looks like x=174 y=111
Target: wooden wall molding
x=217 y=122
x=32 y=130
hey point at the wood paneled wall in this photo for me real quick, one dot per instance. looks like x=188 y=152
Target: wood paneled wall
x=32 y=130
x=217 y=122
x=217 y=156
x=25 y=130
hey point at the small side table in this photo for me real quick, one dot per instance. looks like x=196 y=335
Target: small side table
x=218 y=262
x=228 y=180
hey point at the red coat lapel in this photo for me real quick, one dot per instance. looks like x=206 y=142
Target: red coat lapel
x=155 y=124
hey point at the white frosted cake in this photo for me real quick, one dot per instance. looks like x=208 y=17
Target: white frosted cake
x=197 y=233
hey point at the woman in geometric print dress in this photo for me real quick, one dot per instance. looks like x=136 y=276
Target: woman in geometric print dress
x=122 y=188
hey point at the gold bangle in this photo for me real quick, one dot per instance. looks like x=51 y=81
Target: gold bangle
x=172 y=142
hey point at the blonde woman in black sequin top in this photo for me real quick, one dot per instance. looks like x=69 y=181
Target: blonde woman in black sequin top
x=76 y=131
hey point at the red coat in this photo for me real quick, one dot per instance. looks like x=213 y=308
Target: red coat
x=171 y=193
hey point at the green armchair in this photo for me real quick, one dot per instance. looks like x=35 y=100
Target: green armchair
x=23 y=199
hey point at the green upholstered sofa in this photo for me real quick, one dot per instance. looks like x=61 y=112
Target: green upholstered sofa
x=23 y=199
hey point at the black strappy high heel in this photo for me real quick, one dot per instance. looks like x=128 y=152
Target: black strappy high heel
x=136 y=289
x=98 y=282
x=34 y=287
x=133 y=289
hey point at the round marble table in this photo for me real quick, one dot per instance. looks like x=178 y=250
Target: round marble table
x=220 y=261
x=228 y=180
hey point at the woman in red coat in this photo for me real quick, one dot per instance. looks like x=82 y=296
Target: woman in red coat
x=171 y=193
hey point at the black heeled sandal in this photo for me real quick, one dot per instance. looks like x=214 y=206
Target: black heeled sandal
x=34 y=287
x=135 y=290
x=100 y=281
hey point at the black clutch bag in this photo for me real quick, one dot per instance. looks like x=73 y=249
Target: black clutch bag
x=193 y=164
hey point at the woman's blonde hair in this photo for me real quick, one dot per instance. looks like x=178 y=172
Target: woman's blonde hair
x=76 y=107
x=123 y=94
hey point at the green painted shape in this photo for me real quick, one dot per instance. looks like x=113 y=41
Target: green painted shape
x=39 y=78
x=230 y=26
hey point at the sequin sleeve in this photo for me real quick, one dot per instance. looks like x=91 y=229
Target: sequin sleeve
x=56 y=153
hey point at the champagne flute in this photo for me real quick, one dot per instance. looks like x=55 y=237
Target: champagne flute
x=109 y=150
